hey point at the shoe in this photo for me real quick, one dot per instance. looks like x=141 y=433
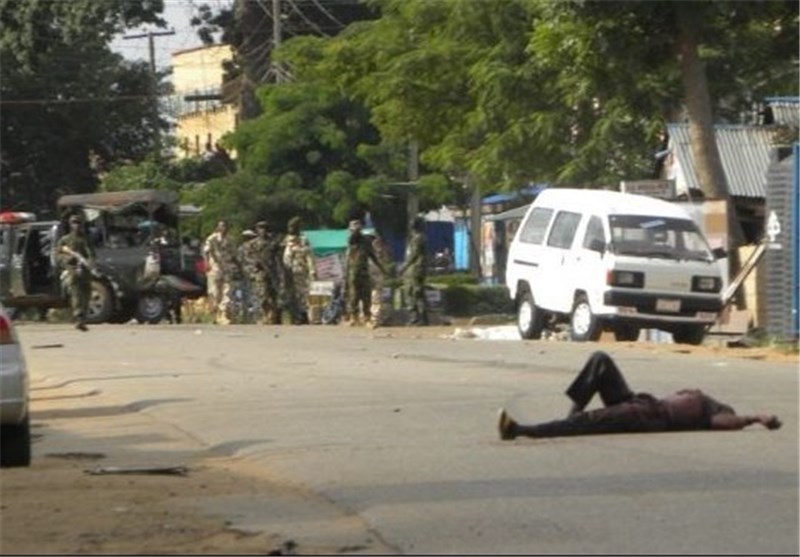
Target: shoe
x=81 y=327
x=506 y=426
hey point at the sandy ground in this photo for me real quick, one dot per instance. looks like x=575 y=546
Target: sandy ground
x=56 y=507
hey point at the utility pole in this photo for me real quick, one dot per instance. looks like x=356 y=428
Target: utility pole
x=276 y=38
x=412 y=202
x=153 y=77
x=150 y=36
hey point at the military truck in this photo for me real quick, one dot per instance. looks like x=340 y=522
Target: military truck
x=143 y=266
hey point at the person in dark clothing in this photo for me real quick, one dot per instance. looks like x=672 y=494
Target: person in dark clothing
x=358 y=287
x=414 y=272
x=627 y=412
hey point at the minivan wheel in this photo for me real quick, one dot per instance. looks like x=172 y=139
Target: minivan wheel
x=15 y=444
x=151 y=308
x=689 y=334
x=530 y=319
x=101 y=304
x=626 y=333
x=583 y=324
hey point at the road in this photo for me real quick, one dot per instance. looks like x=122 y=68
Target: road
x=397 y=429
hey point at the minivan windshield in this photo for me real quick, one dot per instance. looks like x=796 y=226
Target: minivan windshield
x=651 y=236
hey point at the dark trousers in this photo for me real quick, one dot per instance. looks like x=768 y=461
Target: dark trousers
x=624 y=411
x=600 y=375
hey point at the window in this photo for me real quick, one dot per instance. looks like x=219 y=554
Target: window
x=536 y=225
x=594 y=231
x=563 y=231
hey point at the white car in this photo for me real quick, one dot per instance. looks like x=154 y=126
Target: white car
x=15 y=436
x=603 y=260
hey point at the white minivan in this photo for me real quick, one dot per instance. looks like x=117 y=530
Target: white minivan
x=604 y=260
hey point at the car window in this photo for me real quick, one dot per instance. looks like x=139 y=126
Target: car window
x=594 y=231
x=534 y=228
x=564 y=228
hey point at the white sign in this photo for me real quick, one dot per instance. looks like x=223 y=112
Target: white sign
x=773 y=226
x=321 y=288
x=663 y=189
x=329 y=267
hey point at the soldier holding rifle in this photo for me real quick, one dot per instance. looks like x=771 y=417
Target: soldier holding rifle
x=77 y=259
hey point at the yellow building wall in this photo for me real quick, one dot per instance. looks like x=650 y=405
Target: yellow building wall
x=201 y=124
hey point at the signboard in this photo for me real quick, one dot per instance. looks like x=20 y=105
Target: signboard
x=663 y=189
x=321 y=288
x=329 y=267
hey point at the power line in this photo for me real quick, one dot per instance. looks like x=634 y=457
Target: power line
x=75 y=101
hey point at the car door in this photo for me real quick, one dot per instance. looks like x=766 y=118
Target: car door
x=558 y=259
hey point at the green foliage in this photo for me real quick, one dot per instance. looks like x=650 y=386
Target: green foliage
x=70 y=107
x=468 y=300
x=453 y=279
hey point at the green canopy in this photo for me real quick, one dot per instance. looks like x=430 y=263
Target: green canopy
x=325 y=242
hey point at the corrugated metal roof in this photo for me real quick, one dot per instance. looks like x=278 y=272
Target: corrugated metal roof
x=785 y=110
x=745 y=154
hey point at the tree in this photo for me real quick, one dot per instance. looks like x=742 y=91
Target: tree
x=69 y=106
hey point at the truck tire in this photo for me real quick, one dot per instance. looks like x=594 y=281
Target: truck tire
x=530 y=318
x=101 y=303
x=583 y=323
x=151 y=308
x=15 y=444
x=689 y=334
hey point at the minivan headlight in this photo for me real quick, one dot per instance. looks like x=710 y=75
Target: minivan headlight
x=627 y=279
x=706 y=284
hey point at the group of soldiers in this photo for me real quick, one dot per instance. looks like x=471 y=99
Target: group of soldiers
x=265 y=275
x=277 y=274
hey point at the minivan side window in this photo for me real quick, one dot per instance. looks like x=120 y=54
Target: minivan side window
x=594 y=231
x=535 y=226
x=563 y=231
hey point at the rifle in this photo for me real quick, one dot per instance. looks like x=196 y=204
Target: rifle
x=82 y=261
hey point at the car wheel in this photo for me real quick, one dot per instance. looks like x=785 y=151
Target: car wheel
x=151 y=308
x=689 y=334
x=530 y=319
x=583 y=323
x=101 y=303
x=15 y=444
x=623 y=333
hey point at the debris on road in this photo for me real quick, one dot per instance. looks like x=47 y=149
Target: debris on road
x=157 y=470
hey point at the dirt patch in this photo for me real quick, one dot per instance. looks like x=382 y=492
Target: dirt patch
x=55 y=507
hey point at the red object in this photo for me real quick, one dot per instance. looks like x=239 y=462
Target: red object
x=16 y=217
x=200 y=266
x=5 y=331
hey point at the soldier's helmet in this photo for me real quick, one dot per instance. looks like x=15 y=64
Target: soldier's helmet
x=262 y=224
x=294 y=225
x=248 y=234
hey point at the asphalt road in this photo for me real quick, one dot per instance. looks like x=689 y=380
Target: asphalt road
x=398 y=430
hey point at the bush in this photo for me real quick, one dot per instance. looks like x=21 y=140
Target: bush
x=469 y=300
x=452 y=279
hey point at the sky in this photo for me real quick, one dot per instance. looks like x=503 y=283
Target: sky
x=178 y=14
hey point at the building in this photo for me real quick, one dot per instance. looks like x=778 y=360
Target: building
x=203 y=116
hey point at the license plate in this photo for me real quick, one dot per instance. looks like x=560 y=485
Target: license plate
x=669 y=306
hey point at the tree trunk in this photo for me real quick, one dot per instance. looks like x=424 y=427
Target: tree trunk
x=703 y=144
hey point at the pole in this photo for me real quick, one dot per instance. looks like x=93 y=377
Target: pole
x=412 y=201
x=276 y=38
x=150 y=35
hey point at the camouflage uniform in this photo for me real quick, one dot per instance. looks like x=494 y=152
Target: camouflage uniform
x=376 y=275
x=220 y=255
x=413 y=271
x=299 y=262
x=261 y=264
x=78 y=279
x=358 y=286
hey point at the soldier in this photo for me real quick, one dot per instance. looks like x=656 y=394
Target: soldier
x=243 y=289
x=77 y=257
x=262 y=266
x=413 y=271
x=359 y=287
x=376 y=275
x=220 y=255
x=299 y=262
